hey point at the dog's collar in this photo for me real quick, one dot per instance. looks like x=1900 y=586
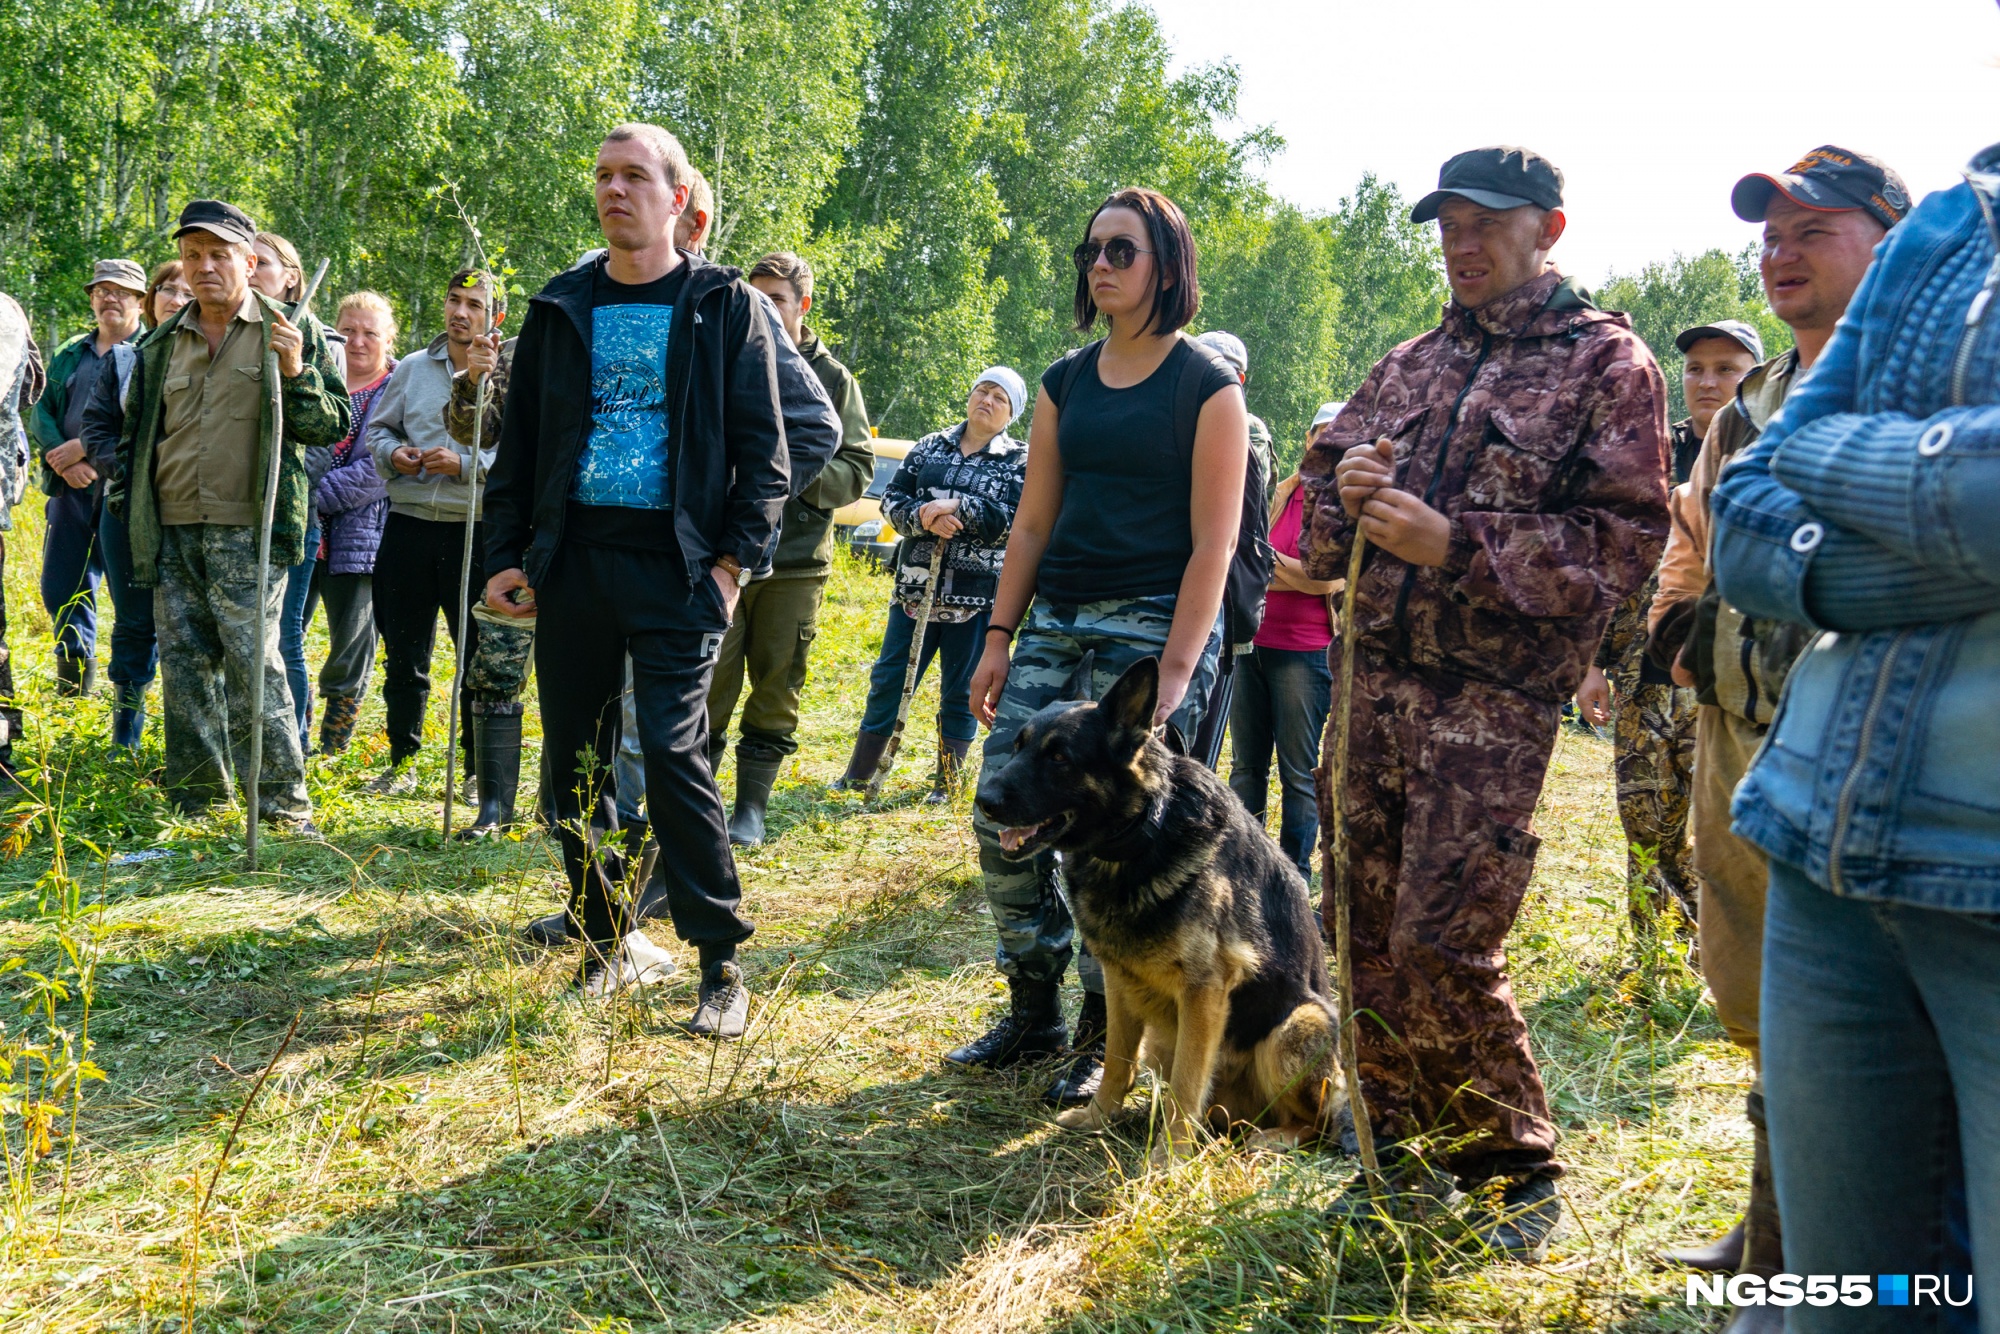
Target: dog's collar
x=1143 y=828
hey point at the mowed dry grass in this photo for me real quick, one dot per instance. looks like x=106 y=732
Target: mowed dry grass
x=455 y=1141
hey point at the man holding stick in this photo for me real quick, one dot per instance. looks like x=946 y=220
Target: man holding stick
x=1508 y=471
x=642 y=466
x=192 y=464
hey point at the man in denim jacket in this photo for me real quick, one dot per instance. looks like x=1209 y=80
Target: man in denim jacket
x=1865 y=510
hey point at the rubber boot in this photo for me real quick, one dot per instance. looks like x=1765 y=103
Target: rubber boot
x=128 y=716
x=1763 y=1238
x=951 y=763
x=496 y=739
x=75 y=676
x=1031 y=1028
x=718 y=746
x=1078 y=1082
x=861 y=765
x=754 y=776
x=336 y=723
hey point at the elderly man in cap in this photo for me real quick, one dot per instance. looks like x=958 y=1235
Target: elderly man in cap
x=1508 y=472
x=1822 y=220
x=1653 y=734
x=72 y=560
x=193 y=464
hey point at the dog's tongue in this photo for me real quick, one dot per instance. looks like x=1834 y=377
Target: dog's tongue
x=1010 y=839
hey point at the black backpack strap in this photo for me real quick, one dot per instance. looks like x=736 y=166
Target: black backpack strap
x=1084 y=358
x=1187 y=395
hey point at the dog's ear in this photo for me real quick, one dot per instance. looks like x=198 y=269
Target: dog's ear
x=1082 y=682
x=1133 y=697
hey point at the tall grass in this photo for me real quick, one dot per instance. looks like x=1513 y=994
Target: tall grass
x=504 y=1156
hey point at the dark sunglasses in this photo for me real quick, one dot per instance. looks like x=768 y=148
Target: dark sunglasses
x=1119 y=250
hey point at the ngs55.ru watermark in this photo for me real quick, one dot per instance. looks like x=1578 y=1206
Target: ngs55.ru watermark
x=1829 y=1289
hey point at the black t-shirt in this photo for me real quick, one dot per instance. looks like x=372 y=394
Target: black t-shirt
x=1125 y=530
x=621 y=493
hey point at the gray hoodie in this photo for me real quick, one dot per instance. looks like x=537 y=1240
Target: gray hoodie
x=411 y=412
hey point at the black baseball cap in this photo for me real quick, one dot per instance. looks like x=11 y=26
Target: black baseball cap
x=1831 y=179
x=224 y=220
x=1499 y=177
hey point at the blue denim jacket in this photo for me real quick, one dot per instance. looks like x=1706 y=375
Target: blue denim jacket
x=1870 y=508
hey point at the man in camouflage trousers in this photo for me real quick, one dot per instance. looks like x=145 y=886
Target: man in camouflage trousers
x=192 y=464
x=1654 y=719
x=1508 y=471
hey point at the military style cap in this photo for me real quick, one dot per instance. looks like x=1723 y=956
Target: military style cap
x=1499 y=177
x=1736 y=331
x=1833 y=180
x=119 y=273
x=213 y=216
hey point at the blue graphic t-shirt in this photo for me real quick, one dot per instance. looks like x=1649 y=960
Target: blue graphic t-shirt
x=625 y=462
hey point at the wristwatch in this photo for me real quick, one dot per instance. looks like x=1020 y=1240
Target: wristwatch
x=734 y=569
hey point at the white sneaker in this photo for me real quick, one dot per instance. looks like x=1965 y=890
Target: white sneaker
x=638 y=963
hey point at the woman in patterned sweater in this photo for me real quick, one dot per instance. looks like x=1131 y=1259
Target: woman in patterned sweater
x=961 y=486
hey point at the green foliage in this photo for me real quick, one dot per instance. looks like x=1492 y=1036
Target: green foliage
x=1665 y=298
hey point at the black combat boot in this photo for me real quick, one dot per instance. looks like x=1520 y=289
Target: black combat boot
x=1031 y=1029
x=861 y=766
x=496 y=740
x=951 y=763
x=754 y=776
x=1078 y=1082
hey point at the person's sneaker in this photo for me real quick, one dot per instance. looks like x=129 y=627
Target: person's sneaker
x=723 y=1007
x=398 y=780
x=1411 y=1190
x=1519 y=1224
x=299 y=829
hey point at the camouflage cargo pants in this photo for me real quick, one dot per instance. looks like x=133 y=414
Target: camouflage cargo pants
x=501 y=658
x=205 y=608
x=1653 y=759
x=1442 y=778
x=1028 y=909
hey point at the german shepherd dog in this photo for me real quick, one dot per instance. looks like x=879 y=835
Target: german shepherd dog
x=1212 y=958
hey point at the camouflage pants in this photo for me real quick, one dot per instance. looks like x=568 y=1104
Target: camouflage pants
x=1442 y=778
x=10 y=712
x=498 y=672
x=1028 y=909
x=1653 y=758
x=205 y=608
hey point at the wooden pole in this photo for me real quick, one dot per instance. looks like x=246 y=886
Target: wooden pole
x=910 y=673
x=1343 y=893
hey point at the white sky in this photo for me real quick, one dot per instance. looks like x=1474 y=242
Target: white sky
x=1651 y=110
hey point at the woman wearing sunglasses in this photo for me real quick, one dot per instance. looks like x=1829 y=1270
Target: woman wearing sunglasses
x=1123 y=537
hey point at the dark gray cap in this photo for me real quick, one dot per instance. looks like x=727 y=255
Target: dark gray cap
x=1499 y=177
x=1736 y=331
x=1830 y=179
x=224 y=220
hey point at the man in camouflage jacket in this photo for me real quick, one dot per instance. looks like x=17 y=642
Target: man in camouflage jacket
x=1509 y=472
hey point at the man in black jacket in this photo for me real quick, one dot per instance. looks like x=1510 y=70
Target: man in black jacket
x=643 y=462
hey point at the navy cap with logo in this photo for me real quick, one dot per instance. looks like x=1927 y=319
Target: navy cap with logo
x=1499 y=177
x=1736 y=331
x=1830 y=179
x=217 y=218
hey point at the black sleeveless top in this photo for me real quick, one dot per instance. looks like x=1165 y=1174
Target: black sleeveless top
x=1125 y=529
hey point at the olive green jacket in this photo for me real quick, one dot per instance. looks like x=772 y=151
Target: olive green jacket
x=805 y=538
x=317 y=415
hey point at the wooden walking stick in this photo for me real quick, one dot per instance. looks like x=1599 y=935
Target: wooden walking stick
x=465 y=567
x=909 y=674
x=252 y=784
x=1343 y=894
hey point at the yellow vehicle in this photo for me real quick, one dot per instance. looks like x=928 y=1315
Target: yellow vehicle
x=859 y=522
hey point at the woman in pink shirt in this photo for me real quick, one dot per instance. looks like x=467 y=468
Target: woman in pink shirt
x=1284 y=685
